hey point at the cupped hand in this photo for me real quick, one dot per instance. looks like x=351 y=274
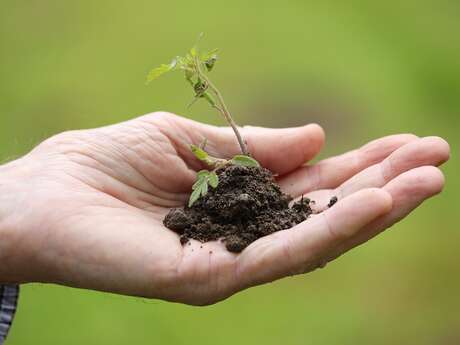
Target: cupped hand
x=85 y=208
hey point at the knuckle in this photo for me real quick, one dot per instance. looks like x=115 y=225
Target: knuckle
x=158 y=118
x=60 y=140
x=163 y=115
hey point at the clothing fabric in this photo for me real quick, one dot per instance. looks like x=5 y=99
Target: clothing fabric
x=8 y=302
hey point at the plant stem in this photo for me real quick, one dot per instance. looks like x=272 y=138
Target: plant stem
x=222 y=108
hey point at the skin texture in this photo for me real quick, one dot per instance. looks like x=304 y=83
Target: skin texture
x=85 y=208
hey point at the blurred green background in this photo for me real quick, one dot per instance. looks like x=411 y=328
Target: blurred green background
x=362 y=69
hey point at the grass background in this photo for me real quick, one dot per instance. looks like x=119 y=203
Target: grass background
x=362 y=69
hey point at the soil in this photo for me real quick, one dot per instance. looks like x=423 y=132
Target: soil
x=247 y=204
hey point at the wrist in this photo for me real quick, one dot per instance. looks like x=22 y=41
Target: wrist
x=12 y=195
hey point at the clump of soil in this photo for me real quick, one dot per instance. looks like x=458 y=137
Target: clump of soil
x=246 y=205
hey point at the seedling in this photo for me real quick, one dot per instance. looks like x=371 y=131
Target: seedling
x=206 y=177
x=196 y=66
x=248 y=203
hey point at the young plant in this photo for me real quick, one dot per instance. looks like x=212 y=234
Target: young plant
x=196 y=65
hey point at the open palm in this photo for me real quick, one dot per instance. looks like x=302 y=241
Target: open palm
x=95 y=200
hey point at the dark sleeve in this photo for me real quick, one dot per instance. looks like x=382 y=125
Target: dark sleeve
x=8 y=302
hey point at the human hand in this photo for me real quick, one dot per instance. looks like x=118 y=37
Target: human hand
x=85 y=208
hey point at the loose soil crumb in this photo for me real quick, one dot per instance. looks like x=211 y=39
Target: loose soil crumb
x=246 y=205
x=332 y=201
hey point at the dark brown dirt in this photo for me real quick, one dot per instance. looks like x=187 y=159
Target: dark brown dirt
x=246 y=205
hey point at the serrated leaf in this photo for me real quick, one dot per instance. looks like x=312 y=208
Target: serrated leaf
x=209 y=59
x=208 y=55
x=189 y=75
x=245 y=161
x=197 y=184
x=160 y=70
x=199 y=153
x=194 y=197
x=183 y=62
x=200 y=187
x=189 y=60
x=204 y=188
x=201 y=177
x=209 y=64
x=202 y=174
x=213 y=179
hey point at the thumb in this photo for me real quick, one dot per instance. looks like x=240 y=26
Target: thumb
x=285 y=149
x=280 y=150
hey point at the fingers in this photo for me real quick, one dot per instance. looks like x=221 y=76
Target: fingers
x=408 y=191
x=303 y=247
x=425 y=151
x=331 y=172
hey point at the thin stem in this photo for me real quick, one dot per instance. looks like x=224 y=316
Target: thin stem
x=223 y=108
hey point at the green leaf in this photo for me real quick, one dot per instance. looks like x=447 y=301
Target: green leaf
x=209 y=55
x=194 y=197
x=189 y=75
x=197 y=184
x=204 y=188
x=199 y=153
x=184 y=62
x=200 y=187
x=209 y=59
x=210 y=64
x=162 y=69
x=213 y=179
x=200 y=177
x=202 y=174
x=245 y=161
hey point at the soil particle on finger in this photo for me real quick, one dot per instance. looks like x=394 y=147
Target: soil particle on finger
x=247 y=204
x=332 y=201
